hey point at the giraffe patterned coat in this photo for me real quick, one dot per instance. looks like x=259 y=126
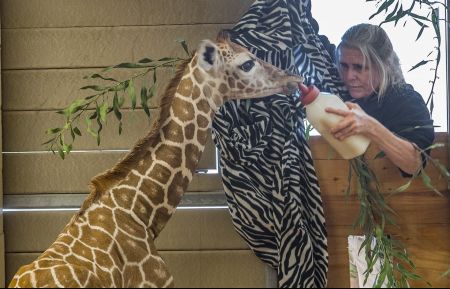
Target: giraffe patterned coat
x=269 y=179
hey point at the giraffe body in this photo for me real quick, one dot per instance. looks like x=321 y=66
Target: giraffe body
x=110 y=241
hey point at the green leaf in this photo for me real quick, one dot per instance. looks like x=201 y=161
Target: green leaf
x=185 y=46
x=61 y=153
x=116 y=107
x=423 y=62
x=77 y=131
x=103 y=109
x=145 y=60
x=96 y=75
x=132 y=93
x=53 y=130
x=94 y=87
x=129 y=65
x=384 y=6
x=144 y=99
x=427 y=181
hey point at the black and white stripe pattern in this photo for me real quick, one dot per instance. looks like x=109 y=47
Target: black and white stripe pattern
x=268 y=174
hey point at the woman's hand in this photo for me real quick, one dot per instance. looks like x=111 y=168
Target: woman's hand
x=355 y=121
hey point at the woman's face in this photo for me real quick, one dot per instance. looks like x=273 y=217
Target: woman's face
x=360 y=80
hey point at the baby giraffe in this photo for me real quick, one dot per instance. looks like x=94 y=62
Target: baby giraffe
x=110 y=241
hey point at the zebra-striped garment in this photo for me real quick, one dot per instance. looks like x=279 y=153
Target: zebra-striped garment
x=269 y=179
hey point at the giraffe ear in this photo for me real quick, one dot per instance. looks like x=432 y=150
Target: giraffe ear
x=208 y=55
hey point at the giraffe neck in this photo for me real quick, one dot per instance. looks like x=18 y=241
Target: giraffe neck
x=154 y=185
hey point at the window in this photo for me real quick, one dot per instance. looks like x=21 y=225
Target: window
x=333 y=25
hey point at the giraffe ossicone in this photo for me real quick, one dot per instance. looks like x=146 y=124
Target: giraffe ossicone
x=110 y=241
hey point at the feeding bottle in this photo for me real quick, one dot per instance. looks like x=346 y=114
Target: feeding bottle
x=315 y=103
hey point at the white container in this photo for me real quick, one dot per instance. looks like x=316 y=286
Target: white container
x=315 y=103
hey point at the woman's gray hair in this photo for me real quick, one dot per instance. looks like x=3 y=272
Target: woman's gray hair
x=378 y=53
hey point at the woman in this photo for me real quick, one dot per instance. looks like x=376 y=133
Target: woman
x=383 y=107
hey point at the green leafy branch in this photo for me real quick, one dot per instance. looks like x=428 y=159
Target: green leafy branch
x=107 y=99
x=396 y=11
x=396 y=268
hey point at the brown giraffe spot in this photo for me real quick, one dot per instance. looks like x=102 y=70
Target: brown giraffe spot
x=128 y=225
x=192 y=157
x=65 y=277
x=103 y=218
x=202 y=137
x=95 y=238
x=134 y=250
x=223 y=89
x=73 y=231
x=203 y=106
x=245 y=82
x=133 y=276
x=82 y=250
x=202 y=122
x=174 y=132
x=106 y=200
x=196 y=92
x=67 y=239
x=249 y=90
x=177 y=189
x=124 y=197
x=207 y=91
x=103 y=259
x=259 y=83
x=189 y=131
x=161 y=217
x=156 y=270
x=143 y=209
x=240 y=86
x=132 y=180
x=42 y=279
x=160 y=173
x=185 y=87
x=61 y=249
x=231 y=82
x=183 y=110
x=154 y=191
x=198 y=76
x=211 y=83
x=144 y=165
x=170 y=155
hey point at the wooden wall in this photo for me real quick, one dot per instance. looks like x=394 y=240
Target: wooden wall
x=2 y=237
x=47 y=48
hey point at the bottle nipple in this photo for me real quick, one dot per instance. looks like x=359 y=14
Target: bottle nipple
x=308 y=94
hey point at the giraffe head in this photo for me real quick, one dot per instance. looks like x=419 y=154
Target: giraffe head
x=229 y=71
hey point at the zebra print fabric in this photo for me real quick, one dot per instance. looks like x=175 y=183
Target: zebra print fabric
x=269 y=179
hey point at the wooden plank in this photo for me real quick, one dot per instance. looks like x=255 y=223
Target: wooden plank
x=98 y=47
x=321 y=150
x=2 y=243
x=417 y=208
x=83 y=13
x=189 y=229
x=55 y=89
x=30 y=173
x=192 y=269
x=25 y=132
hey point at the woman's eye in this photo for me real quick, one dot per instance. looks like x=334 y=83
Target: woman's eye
x=248 y=65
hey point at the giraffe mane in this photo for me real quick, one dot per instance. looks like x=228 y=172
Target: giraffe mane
x=101 y=183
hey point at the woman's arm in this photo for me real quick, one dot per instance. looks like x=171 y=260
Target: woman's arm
x=401 y=152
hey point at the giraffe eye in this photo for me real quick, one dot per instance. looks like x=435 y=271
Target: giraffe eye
x=247 y=66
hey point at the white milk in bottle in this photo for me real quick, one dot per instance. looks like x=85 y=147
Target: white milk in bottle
x=315 y=103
